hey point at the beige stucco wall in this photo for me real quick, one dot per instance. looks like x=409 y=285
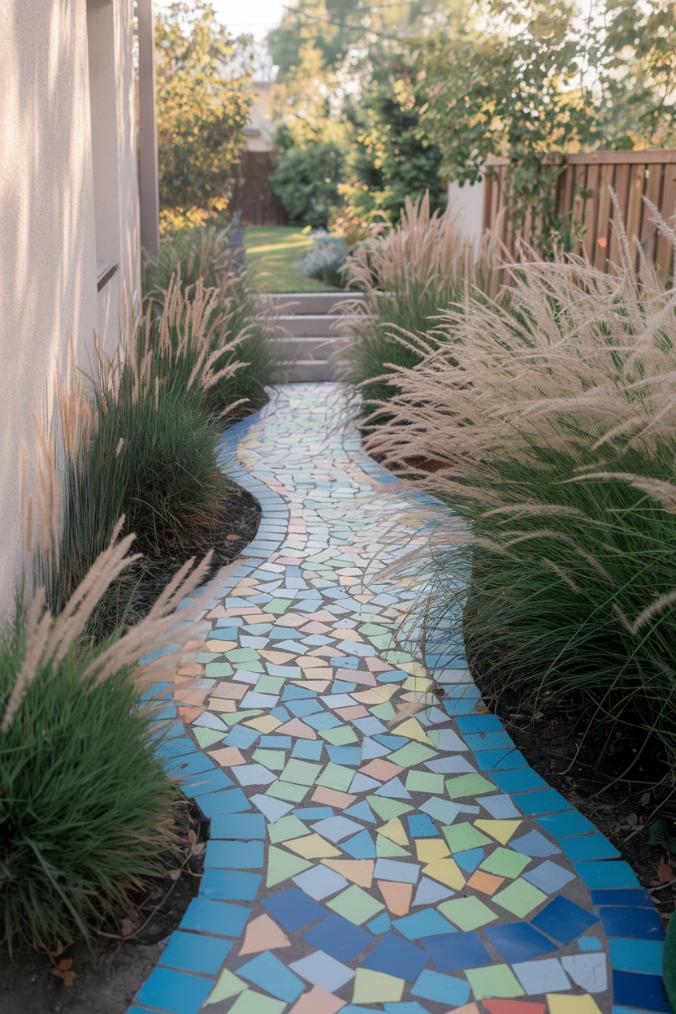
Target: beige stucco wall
x=48 y=269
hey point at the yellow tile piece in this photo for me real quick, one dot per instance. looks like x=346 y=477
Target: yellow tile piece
x=359 y=871
x=310 y=662
x=446 y=871
x=264 y=723
x=375 y=696
x=429 y=849
x=417 y=683
x=501 y=830
x=394 y=830
x=376 y=987
x=411 y=729
x=312 y=846
x=413 y=668
x=560 y=1003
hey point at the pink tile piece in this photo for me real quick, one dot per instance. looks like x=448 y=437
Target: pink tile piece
x=332 y=797
x=296 y=728
x=381 y=769
x=263 y=934
x=317 y=1001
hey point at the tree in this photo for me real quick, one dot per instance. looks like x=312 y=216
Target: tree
x=203 y=102
x=306 y=181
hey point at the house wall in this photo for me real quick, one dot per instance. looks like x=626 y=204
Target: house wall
x=468 y=200
x=55 y=223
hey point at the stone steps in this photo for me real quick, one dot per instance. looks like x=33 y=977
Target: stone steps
x=307 y=332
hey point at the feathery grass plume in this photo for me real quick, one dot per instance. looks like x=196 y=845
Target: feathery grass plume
x=547 y=418
x=408 y=275
x=205 y=255
x=87 y=811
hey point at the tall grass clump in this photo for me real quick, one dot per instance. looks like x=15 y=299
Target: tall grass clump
x=237 y=313
x=87 y=812
x=547 y=419
x=408 y=276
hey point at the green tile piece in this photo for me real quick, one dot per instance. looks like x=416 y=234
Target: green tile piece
x=386 y=809
x=282 y=865
x=218 y=669
x=287 y=791
x=381 y=641
x=368 y=629
x=411 y=754
x=425 y=781
x=467 y=913
x=228 y=985
x=355 y=904
x=340 y=735
x=397 y=657
x=494 y=981
x=335 y=776
x=238 y=716
x=269 y=685
x=250 y=1002
x=301 y=772
x=207 y=737
x=384 y=711
x=376 y=987
x=273 y=759
x=277 y=606
x=519 y=898
x=388 y=849
x=286 y=828
x=240 y=656
x=505 y=863
x=468 y=785
x=464 y=836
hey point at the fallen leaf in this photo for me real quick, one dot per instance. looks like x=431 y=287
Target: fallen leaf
x=665 y=873
x=127 y=927
x=64 y=971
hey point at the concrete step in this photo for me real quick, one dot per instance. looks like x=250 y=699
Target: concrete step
x=314 y=303
x=307 y=325
x=307 y=371
x=292 y=349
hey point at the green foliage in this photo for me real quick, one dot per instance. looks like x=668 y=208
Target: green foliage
x=306 y=181
x=542 y=78
x=327 y=259
x=86 y=811
x=391 y=157
x=201 y=111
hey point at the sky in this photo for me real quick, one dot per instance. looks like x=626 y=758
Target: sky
x=255 y=17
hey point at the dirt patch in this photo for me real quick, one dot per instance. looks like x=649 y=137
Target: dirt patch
x=103 y=978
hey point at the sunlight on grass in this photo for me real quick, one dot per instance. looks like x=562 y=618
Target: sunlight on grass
x=276 y=253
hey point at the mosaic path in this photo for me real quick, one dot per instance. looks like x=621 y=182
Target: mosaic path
x=374 y=845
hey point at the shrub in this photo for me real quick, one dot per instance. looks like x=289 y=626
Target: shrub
x=550 y=418
x=327 y=258
x=87 y=813
x=306 y=182
x=408 y=274
x=236 y=326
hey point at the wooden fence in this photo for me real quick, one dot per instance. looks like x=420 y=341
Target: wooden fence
x=252 y=196
x=583 y=197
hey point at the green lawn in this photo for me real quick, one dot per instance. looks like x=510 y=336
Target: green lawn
x=276 y=252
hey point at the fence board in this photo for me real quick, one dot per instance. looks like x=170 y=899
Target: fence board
x=252 y=196
x=632 y=174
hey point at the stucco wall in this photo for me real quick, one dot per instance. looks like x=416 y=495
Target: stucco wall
x=48 y=270
x=469 y=202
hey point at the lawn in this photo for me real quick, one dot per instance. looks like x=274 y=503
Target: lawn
x=276 y=253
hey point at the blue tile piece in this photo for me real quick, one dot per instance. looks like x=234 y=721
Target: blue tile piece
x=234 y=855
x=338 y=937
x=240 y=826
x=469 y=859
x=206 y=781
x=634 y=898
x=230 y=885
x=188 y=764
x=268 y=973
x=380 y=924
x=590 y=943
x=228 y=801
x=644 y=991
x=479 y=723
x=563 y=825
x=563 y=920
x=518 y=781
x=441 y=988
x=350 y=756
x=541 y=801
x=361 y=846
x=293 y=909
x=643 y=923
x=500 y=760
x=423 y=924
x=362 y=811
x=453 y=952
x=313 y=812
x=645 y=956
x=519 y=941
x=174 y=992
x=606 y=874
x=589 y=846
x=308 y=749
x=195 y=952
x=407 y=1007
x=421 y=826
x=396 y=957
x=217 y=917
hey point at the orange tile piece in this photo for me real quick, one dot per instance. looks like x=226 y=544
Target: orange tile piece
x=514 y=1007
x=194 y=697
x=467 y=1008
x=332 y=797
x=296 y=728
x=487 y=883
x=358 y=711
x=228 y=757
x=381 y=769
x=317 y=1001
x=232 y=691
x=222 y=705
x=359 y=871
x=263 y=934
x=190 y=714
x=396 y=896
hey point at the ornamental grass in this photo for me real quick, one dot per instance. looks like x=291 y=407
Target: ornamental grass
x=546 y=417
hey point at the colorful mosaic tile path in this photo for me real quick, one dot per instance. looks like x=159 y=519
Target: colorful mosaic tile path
x=373 y=846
